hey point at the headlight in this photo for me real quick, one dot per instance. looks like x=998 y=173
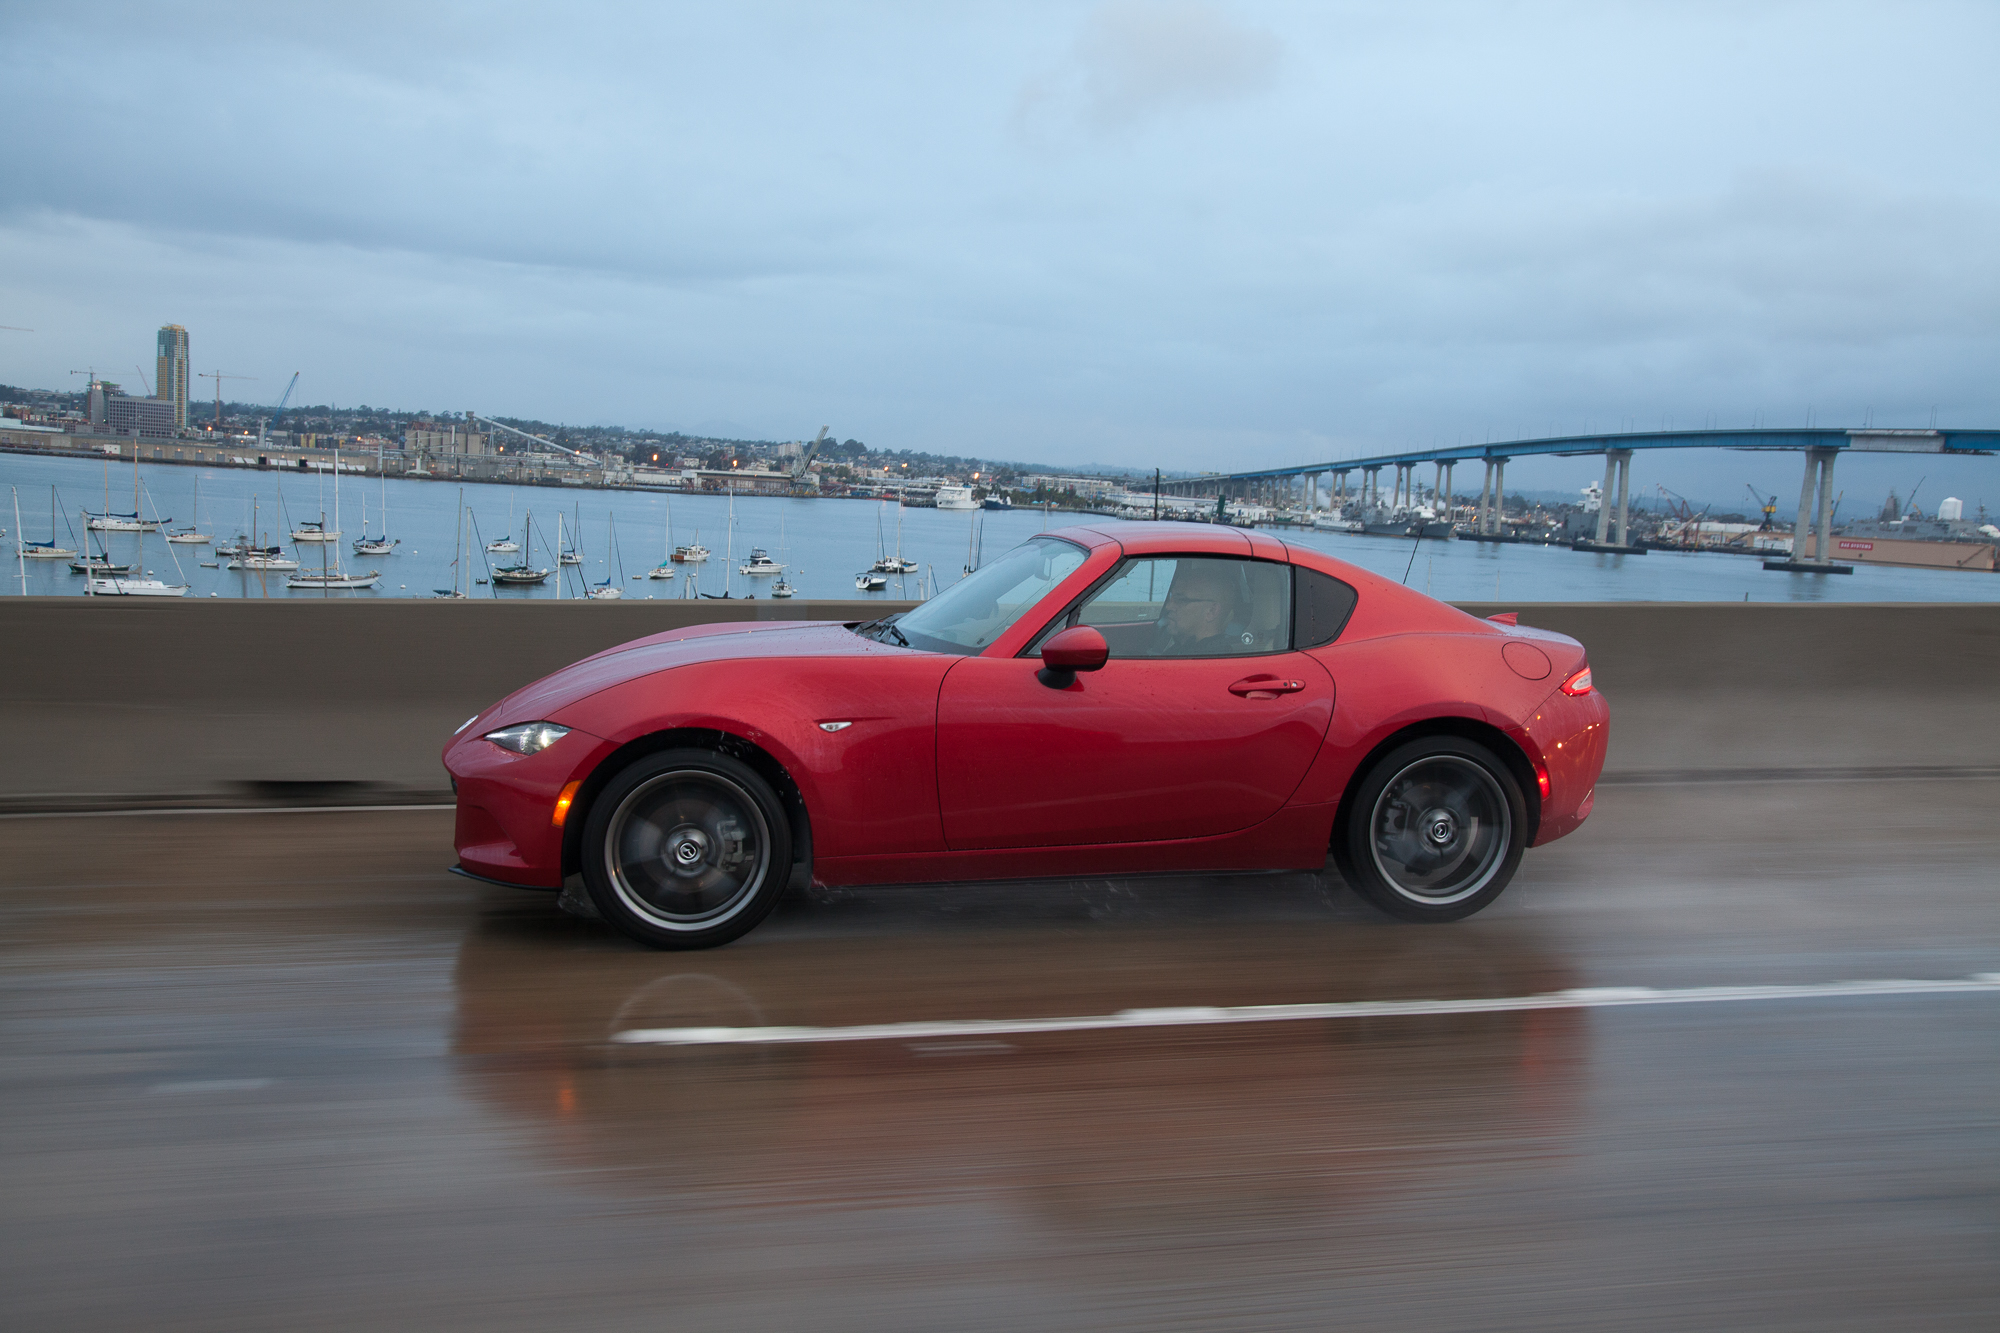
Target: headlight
x=528 y=738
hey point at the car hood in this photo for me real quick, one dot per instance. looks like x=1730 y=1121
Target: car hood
x=679 y=648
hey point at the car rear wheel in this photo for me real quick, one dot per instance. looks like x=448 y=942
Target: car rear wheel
x=1435 y=831
x=686 y=849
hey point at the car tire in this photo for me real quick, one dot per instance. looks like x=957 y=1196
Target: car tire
x=1435 y=830
x=686 y=849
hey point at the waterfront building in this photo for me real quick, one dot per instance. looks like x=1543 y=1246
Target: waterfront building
x=107 y=407
x=444 y=437
x=170 y=383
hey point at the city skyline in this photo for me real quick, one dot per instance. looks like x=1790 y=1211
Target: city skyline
x=1194 y=236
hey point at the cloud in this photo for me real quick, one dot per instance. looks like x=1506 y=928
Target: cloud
x=1138 y=60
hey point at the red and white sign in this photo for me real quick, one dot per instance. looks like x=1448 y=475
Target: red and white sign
x=1857 y=546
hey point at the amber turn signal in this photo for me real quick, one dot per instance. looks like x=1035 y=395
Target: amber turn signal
x=563 y=802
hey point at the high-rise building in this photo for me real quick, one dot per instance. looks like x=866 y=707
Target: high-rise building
x=172 y=383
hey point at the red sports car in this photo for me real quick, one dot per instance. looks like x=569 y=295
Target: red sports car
x=1108 y=700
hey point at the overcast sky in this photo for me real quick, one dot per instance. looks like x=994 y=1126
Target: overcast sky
x=1186 y=234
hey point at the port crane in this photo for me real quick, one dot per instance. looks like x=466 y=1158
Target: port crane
x=219 y=376
x=1682 y=511
x=278 y=412
x=806 y=456
x=501 y=425
x=1767 y=507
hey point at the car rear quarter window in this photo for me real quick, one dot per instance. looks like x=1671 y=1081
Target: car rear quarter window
x=1321 y=605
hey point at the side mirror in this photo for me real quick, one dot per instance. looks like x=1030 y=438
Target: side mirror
x=1078 y=648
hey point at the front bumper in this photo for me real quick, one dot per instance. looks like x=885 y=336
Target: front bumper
x=506 y=829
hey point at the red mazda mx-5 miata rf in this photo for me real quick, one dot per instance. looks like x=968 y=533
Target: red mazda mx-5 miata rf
x=1109 y=700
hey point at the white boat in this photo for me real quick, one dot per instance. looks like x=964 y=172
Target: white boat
x=319 y=532
x=760 y=562
x=47 y=550
x=136 y=588
x=452 y=594
x=869 y=581
x=264 y=561
x=385 y=544
x=192 y=535
x=333 y=578
x=956 y=497
x=521 y=575
x=506 y=545
x=783 y=589
x=609 y=591
x=119 y=523
x=691 y=554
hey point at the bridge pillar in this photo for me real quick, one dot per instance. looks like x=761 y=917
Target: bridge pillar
x=1499 y=492
x=1485 y=494
x=1806 y=520
x=1823 y=547
x=1624 y=493
x=1604 y=496
x=1449 y=506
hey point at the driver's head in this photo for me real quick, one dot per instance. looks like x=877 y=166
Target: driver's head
x=1202 y=601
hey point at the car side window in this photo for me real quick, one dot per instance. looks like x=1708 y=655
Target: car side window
x=1192 y=606
x=1321 y=605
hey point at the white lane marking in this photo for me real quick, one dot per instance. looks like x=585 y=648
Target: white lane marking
x=213 y=1085
x=1597 y=997
x=219 y=810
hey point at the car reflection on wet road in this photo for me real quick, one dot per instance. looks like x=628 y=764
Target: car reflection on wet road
x=280 y=1070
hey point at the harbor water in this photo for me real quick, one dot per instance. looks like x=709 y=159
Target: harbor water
x=822 y=543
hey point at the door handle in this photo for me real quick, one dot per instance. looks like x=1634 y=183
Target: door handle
x=1265 y=687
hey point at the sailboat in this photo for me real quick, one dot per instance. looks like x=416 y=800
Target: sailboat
x=192 y=535
x=457 y=556
x=145 y=587
x=110 y=522
x=318 y=532
x=98 y=562
x=572 y=550
x=385 y=544
x=330 y=575
x=519 y=575
x=783 y=587
x=507 y=545
x=47 y=550
x=894 y=564
x=665 y=569
x=609 y=591
x=266 y=558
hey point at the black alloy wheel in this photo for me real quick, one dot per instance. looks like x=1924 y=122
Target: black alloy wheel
x=1435 y=831
x=686 y=849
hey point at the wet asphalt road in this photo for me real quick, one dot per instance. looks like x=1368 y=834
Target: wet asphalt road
x=280 y=1070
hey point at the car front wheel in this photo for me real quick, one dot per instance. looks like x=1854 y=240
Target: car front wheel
x=1435 y=831
x=686 y=849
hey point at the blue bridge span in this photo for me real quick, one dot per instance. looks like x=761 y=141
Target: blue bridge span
x=1821 y=446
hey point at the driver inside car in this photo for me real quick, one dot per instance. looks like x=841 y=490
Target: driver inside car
x=1205 y=614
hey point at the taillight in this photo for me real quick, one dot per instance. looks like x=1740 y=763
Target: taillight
x=1579 y=683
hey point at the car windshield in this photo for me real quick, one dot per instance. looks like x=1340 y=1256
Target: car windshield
x=973 y=612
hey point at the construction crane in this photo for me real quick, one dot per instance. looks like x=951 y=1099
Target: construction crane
x=1683 y=512
x=278 y=412
x=219 y=376
x=806 y=456
x=1769 y=508
x=501 y=425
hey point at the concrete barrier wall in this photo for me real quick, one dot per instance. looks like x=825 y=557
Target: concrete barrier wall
x=111 y=702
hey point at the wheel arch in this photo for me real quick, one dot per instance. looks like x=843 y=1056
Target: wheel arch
x=760 y=760
x=1465 y=728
